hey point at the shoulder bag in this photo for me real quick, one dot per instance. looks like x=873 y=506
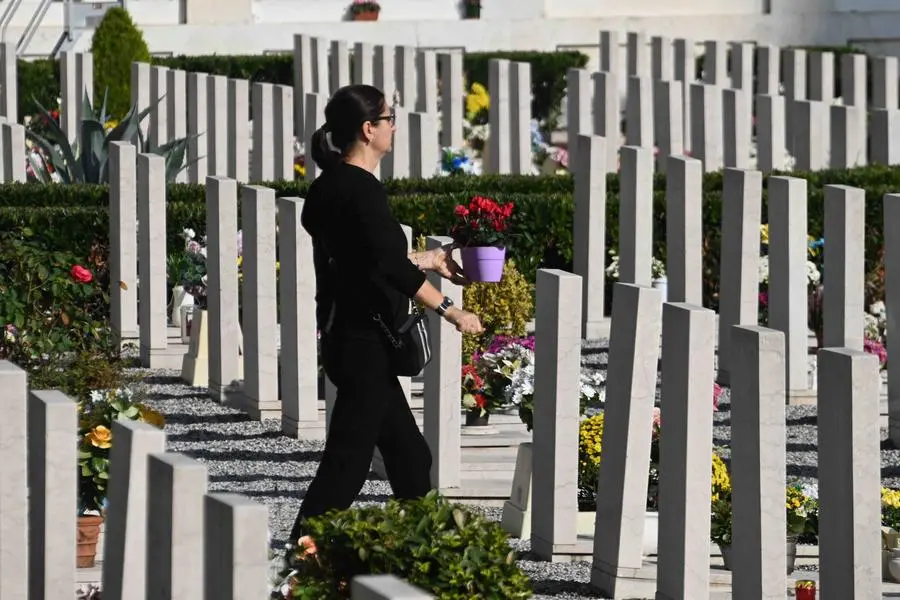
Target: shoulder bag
x=410 y=343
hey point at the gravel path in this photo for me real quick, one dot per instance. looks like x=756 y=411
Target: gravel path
x=253 y=458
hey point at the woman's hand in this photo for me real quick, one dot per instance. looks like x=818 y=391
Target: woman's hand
x=465 y=321
x=441 y=262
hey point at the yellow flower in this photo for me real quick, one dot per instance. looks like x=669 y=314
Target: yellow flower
x=812 y=249
x=477 y=100
x=99 y=436
x=764 y=233
x=890 y=498
x=300 y=170
x=110 y=125
x=150 y=416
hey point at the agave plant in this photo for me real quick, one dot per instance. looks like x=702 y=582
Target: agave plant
x=88 y=160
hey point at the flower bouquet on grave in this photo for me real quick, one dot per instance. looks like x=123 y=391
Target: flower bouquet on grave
x=479 y=232
x=95 y=422
x=477 y=399
x=365 y=10
x=455 y=162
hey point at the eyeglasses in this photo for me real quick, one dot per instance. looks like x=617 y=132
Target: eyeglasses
x=391 y=118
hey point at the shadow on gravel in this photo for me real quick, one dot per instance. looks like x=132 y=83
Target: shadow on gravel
x=189 y=419
x=252 y=455
x=553 y=587
x=802 y=471
x=200 y=435
x=167 y=380
x=251 y=478
x=807 y=420
x=801 y=447
x=162 y=396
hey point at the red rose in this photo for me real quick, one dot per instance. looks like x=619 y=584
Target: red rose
x=81 y=275
x=461 y=211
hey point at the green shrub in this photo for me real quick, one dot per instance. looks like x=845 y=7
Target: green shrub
x=504 y=307
x=38 y=80
x=117 y=42
x=54 y=305
x=438 y=546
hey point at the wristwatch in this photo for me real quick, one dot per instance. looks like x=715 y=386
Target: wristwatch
x=442 y=308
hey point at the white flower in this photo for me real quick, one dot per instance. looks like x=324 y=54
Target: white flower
x=593 y=385
x=612 y=271
x=812 y=273
x=188 y=234
x=810 y=490
x=764 y=269
x=878 y=309
x=96 y=396
x=872 y=327
x=521 y=385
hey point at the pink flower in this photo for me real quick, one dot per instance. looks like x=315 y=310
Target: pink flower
x=81 y=275
x=877 y=348
x=717 y=391
x=764 y=298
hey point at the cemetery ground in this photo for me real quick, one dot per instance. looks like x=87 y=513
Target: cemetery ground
x=255 y=459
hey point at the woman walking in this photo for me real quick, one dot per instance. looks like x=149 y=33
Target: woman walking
x=363 y=269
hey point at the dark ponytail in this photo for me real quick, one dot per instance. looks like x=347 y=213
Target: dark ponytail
x=321 y=151
x=345 y=113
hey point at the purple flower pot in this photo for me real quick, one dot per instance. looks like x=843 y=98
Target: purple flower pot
x=483 y=263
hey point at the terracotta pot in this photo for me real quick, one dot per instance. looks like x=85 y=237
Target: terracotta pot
x=86 y=540
x=371 y=15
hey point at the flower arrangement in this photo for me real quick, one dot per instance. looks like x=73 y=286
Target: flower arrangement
x=454 y=161
x=476 y=129
x=875 y=336
x=480 y=231
x=813 y=274
x=359 y=7
x=483 y=222
x=657 y=267
x=187 y=267
x=96 y=416
x=474 y=397
x=890 y=508
x=801 y=504
x=478 y=104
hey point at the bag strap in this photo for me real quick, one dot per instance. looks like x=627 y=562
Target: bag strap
x=332 y=262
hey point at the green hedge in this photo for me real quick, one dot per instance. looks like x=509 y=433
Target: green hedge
x=548 y=74
x=73 y=217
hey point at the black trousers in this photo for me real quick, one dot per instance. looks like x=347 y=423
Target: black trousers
x=371 y=410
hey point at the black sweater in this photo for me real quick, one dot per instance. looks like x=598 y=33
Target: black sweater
x=347 y=214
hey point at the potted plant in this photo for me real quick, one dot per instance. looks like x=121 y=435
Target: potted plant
x=471 y=9
x=802 y=507
x=365 y=10
x=479 y=232
x=96 y=416
x=805 y=589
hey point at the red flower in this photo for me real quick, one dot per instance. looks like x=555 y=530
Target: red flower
x=480 y=400
x=461 y=211
x=81 y=275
